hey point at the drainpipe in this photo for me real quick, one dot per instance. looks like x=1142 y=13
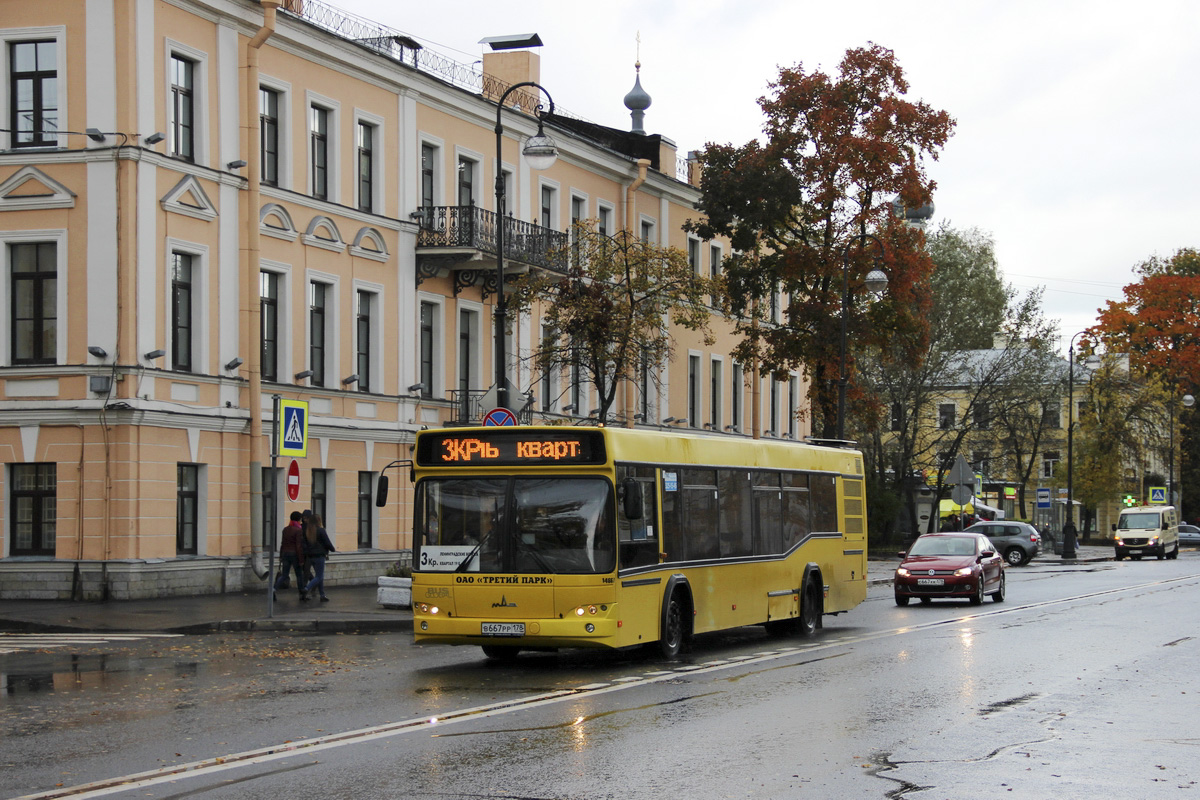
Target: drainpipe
x=643 y=164
x=250 y=239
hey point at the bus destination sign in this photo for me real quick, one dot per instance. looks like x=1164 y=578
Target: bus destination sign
x=504 y=447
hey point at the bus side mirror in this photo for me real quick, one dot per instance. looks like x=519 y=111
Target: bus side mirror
x=381 y=491
x=631 y=499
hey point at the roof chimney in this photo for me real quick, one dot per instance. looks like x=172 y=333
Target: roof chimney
x=510 y=62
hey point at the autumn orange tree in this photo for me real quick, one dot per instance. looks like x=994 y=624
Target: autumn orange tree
x=1158 y=325
x=609 y=316
x=1158 y=321
x=837 y=150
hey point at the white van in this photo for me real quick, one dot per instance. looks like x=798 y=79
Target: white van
x=1145 y=531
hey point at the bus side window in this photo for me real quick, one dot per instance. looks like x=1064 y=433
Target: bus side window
x=636 y=533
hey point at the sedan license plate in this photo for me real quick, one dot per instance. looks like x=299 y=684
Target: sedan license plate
x=931 y=581
x=503 y=629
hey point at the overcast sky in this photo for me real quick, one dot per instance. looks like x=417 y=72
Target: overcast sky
x=1076 y=144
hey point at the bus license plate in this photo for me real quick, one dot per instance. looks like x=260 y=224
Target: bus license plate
x=931 y=581
x=503 y=629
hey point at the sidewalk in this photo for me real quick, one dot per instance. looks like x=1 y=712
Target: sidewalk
x=350 y=609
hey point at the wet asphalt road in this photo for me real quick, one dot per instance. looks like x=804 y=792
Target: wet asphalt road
x=1075 y=687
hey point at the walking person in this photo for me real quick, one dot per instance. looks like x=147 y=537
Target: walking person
x=291 y=555
x=316 y=547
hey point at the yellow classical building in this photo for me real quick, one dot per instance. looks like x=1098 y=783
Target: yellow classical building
x=209 y=205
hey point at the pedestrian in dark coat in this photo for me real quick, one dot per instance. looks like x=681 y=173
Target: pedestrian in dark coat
x=316 y=548
x=291 y=555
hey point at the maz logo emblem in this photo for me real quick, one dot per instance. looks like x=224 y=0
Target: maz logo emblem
x=504 y=603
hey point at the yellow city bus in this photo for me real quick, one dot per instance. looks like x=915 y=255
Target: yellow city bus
x=547 y=537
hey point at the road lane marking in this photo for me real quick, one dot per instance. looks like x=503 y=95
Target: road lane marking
x=23 y=642
x=305 y=746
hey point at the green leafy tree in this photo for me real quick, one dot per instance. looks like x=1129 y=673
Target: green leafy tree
x=984 y=348
x=612 y=312
x=798 y=208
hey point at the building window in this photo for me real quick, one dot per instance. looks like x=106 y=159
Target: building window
x=366 y=527
x=466 y=351
x=181 y=311
x=428 y=160
x=317 y=296
x=366 y=167
x=578 y=213
x=268 y=123
x=547 y=207
x=773 y=418
x=466 y=182
x=428 y=330
x=945 y=416
x=362 y=340
x=34 y=509
x=319 y=500
x=576 y=378
x=33 y=93
x=714 y=260
x=181 y=119
x=793 y=404
x=605 y=222
x=318 y=134
x=982 y=416
x=647 y=231
x=187 y=514
x=644 y=384
x=268 y=287
x=34 y=305
x=715 y=387
x=1049 y=462
x=897 y=417
x=271 y=527
x=693 y=255
x=547 y=378
x=982 y=462
x=1051 y=415
x=735 y=406
x=694 y=391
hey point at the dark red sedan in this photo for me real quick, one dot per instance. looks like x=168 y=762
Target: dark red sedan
x=950 y=565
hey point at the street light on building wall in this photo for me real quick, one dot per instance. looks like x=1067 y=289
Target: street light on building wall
x=876 y=282
x=1068 y=545
x=540 y=153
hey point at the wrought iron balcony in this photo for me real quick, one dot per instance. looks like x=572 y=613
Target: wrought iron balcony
x=469 y=228
x=468 y=404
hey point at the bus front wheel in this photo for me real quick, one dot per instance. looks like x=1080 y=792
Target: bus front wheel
x=671 y=640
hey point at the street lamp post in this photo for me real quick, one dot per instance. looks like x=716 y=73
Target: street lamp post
x=1188 y=401
x=1068 y=545
x=540 y=153
x=876 y=282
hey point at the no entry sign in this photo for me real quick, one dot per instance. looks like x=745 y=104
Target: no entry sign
x=293 y=480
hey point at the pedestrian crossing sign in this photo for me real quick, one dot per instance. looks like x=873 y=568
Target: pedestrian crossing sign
x=293 y=428
x=1158 y=495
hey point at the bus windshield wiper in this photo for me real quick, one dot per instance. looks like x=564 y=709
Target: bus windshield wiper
x=474 y=552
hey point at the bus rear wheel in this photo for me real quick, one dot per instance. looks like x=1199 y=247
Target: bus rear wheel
x=810 y=611
x=671 y=640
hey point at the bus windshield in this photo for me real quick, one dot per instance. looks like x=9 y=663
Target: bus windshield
x=530 y=524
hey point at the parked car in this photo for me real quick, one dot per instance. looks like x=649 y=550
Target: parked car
x=1189 y=535
x=1018 y=542
x=962 y=564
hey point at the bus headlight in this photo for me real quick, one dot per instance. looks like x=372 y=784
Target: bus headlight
x=581 y=610
x=425 y=608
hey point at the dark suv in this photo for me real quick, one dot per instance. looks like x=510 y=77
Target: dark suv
x=1018 y=542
